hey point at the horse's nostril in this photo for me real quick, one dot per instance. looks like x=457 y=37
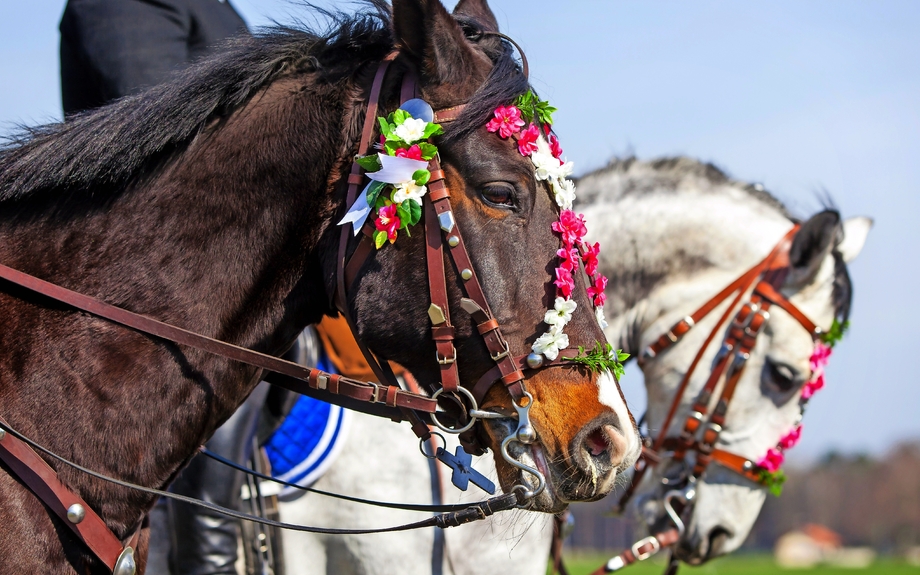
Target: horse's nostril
x=718 y=537
x=595 y=443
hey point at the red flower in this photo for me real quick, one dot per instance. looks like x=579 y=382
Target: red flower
x=388 y=221
x=554 y=146
x=507 y=121
x=571 y=227
x=527 y=140
x=772 y=461
x=792 y=438
x=589 y=257
x=812 y=386
x=413 y=153
x=597 y=291
x=565 y=283
x=569 y=259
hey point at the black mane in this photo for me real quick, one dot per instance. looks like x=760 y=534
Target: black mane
x=101 y=150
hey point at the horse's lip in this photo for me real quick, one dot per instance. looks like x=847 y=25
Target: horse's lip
x=539 y=460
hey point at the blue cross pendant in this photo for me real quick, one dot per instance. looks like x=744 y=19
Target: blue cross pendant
x=464 y=473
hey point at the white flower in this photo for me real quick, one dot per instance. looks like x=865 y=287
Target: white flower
x=561 y=314
x=411 y=130
x=564 y=191
x=408 y=190
x=548 y=167
x=599 y=314
x=550 y=343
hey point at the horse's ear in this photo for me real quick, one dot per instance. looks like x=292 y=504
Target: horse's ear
x=855 y=231
x=813 y=242
x=426 y=31
x=479 y=11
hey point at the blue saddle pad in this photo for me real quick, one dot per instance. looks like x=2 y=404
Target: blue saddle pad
x=307 y=442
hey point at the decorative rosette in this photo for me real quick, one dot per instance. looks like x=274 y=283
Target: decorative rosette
x=529 y=121
x=398 y=177
x=769 y=467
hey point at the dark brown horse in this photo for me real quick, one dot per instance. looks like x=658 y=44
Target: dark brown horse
x=210 y=203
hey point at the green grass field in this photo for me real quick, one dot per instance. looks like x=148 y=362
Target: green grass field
x=736 y=565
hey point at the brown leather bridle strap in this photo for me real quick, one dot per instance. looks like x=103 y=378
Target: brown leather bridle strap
x=44 y=482
x=314 y=378
x=642 y=550
x=439 y=312
x=490 y=377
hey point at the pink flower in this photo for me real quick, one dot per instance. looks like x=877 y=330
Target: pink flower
x=527 y=140
x=820 y=356
x=413 y=153
x=554 y=146
x=388 y=221
x=597 y=291
x=565 y=283
x=507 y=121
x=792 y=438
x=812 y=386
x=569 y=259
x=772 y=461
x=589 y=257
x=383 y=141
x=571 y=227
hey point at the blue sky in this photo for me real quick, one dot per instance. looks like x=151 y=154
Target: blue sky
x=800 y=96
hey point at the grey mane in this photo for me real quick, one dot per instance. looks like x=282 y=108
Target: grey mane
x=633 y=176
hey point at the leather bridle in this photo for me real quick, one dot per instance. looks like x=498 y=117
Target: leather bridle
x=701 y=430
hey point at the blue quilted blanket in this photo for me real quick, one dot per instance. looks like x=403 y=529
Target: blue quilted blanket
x=308 y=441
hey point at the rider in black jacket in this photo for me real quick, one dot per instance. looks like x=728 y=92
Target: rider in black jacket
x=113 y=48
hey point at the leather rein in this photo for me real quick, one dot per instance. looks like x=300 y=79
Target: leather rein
x=382 y=399
x=700 y=434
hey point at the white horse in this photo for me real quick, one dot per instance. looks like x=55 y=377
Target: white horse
x=674 y=232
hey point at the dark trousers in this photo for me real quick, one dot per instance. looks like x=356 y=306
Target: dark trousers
x=113 y=48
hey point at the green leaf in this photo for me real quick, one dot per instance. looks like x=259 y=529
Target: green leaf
x=835 y=333
x=415 y=212
x=404 y=213
x=600 y=358
x=421 y=177
x=385 y=127
x=380 y=238
x=370 y=163
x=545 y=112
x=622 y=355
x=381 y=200
x=390 y=146
x=373 y=191
x=398 y=117
x=428 y=150
x=432 y=130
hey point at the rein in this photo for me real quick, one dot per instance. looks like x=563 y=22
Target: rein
x=700 y=434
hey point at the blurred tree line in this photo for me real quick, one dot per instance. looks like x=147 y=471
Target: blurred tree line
x=874 y=502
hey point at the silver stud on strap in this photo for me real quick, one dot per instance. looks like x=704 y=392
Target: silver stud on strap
x=76 y=513
x=453 y=241
x=466 y=274
x=2 y=433
x=126 y=565
x=446 y=221
x=534 y=360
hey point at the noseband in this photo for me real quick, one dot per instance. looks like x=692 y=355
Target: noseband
x=701 y=430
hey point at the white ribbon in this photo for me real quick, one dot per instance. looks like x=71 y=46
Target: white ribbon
x=395 y=170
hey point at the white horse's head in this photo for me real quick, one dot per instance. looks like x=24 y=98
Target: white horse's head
x=679 y=232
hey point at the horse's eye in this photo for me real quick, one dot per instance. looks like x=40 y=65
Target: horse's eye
x=781 y=376
x=499 y=194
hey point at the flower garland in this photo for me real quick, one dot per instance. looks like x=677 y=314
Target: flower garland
x=529 y=121
x=398 y=176
x=769 y=467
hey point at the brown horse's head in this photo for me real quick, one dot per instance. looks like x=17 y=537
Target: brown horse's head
x=585 y=435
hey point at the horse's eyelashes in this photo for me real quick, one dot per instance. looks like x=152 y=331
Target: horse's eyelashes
x=782 y=376
x=499 y=194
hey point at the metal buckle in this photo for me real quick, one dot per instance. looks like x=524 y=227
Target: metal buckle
x=447 y=360
x=656 y=547
x=376 y=396
x=501 y=354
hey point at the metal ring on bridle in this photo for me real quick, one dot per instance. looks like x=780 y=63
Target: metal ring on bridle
x=473 y=407
x=421 y=445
